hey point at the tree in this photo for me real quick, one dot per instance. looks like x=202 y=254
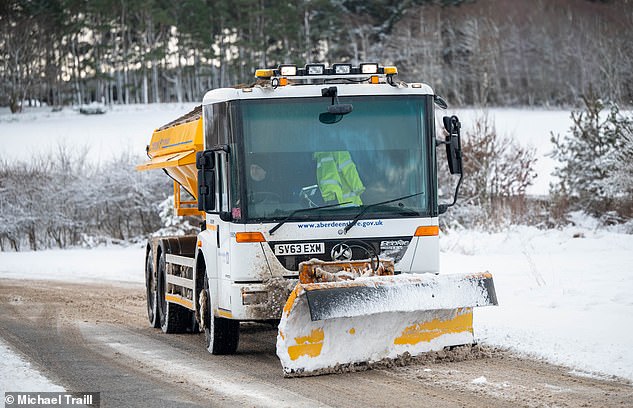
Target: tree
x=622 y=175
x=19 y=51
x=592 y=154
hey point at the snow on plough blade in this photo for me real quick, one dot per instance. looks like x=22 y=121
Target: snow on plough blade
x=336 y=321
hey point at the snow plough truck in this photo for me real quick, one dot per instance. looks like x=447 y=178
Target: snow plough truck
x=317 y=193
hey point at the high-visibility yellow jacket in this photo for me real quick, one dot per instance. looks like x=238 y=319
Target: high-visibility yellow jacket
x=338 y=178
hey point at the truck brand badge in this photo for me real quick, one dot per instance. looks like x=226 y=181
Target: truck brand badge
x=341 y=252
x=393 y=245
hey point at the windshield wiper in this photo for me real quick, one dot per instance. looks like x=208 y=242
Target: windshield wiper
x=282 y=222
x=360 y=214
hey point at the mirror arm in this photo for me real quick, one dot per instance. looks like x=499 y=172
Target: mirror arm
x=442 y=208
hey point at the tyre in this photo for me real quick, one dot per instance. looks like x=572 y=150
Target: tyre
x=173 y=318
x=150 y=289
x=221 y=335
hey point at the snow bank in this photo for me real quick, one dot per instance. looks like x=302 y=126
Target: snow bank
x=76 y=265
x=561 y=298
x=16 y=374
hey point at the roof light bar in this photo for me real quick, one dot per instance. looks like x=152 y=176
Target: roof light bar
x=291 y=70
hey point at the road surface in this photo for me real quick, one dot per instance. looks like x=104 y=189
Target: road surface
x=95 y=337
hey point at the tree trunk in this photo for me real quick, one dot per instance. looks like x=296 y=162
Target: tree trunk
x=156 y=98
x=145 y=87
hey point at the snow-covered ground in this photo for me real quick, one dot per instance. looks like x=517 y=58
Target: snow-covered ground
x=16 y=374
x=567 y=300
x=564 y=299
x=530 y=127
x=128 y=128
x=109 y=264
x=123 y=129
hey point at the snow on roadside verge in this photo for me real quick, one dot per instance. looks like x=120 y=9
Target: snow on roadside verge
x=561 y=298
x=16 y=374
x=102 y=264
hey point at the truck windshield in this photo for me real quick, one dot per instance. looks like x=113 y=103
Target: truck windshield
x=376 y=153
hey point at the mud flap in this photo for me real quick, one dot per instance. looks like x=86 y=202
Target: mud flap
x=328 y=327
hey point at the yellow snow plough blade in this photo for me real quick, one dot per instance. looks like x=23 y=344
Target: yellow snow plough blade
x=339 y=325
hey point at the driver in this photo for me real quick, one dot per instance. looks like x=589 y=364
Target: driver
x=263 y=185
x=257 y=172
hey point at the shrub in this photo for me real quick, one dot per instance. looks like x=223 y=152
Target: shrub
x=497 y=172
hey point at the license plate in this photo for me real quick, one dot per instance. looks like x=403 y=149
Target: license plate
x=300 y=249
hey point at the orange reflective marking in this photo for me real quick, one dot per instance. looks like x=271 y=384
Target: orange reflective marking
x=309 y=345
x=177 y=299
x=435 y=328
x=291 y=300
x=225 y=313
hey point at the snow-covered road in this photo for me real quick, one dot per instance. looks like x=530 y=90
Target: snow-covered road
x=89 y=336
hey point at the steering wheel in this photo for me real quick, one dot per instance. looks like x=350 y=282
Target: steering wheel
x=265 y=197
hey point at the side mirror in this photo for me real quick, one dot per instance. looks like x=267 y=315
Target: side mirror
x=205 y=163
x=453 y=144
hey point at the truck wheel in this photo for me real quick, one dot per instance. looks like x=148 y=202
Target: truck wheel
x=222 y=335
x=173 y=317
x=150 y=286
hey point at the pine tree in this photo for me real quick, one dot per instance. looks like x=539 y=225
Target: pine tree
x=590 y=155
